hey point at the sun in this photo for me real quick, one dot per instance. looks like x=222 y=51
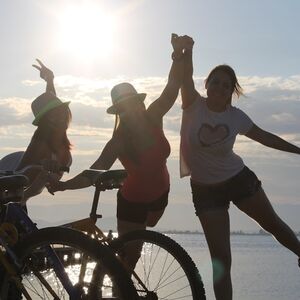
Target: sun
x=86 y=32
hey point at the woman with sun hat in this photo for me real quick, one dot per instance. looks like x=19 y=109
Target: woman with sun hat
x=49 y=145
x=138 y=141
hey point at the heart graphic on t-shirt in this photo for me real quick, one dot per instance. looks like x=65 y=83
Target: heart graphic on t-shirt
x=209 y=135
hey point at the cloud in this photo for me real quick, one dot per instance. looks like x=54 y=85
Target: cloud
x=14 y=111
x=284 y=118
x=31 y=83
x=273 y=101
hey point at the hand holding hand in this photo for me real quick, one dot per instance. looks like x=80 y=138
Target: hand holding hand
x=181 y=44
x=177 y=43
x=54 y=185
x=45 y=73
x=188 y=42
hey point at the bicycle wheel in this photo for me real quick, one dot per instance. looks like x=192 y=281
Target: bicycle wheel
x=164 y=270
x=72 y=248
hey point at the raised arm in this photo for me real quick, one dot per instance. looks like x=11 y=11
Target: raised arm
x=166 y=100
x=108 y=155
x=188 y=91
x=47 y=75
x=271 y=140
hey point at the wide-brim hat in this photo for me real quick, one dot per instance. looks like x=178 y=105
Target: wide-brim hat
x=43 y=104
x=122 y=92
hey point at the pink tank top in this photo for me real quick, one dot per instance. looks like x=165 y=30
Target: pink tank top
x=148 y=179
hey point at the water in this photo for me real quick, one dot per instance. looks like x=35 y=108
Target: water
x=262 y=269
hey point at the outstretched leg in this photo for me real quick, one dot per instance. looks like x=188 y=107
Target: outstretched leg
x=259 y=208
x=216 y=227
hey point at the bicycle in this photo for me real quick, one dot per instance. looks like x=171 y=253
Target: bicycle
x=164 y=270
x=51 y=263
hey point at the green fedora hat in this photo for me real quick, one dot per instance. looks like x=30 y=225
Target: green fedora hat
x=43 y=104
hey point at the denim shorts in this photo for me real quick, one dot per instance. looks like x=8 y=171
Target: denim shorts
x=213 y=197
x=138 y=212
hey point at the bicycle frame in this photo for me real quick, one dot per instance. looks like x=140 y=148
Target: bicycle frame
x=15 y=214
x=13 y=217
x=88 y=225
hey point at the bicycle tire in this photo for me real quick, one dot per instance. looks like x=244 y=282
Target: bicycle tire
x=27 y=251
x=170 y=257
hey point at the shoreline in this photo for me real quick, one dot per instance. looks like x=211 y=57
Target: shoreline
x=240 y=232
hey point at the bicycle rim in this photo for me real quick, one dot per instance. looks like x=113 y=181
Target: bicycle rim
x=73 y=249
x=163 y=269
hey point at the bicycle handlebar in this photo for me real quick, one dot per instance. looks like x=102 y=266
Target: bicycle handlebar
x=106 y=179
x=12 y=183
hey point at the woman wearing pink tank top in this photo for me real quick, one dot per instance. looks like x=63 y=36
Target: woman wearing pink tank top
x=138 y=141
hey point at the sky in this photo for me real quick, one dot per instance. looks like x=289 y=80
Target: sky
x=93 y=45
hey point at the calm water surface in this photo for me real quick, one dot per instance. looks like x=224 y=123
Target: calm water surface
x=262 y=269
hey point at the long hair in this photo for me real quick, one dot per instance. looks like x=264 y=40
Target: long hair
x=124 y=133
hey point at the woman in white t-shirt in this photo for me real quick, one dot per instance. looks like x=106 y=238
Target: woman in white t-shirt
x=218 y=176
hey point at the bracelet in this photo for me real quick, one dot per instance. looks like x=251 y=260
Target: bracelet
x=176 y=57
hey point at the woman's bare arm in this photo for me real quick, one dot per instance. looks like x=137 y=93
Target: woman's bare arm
x=166 y=100
x=271 y=140
x=106 y=159
x=188 y=91
x=47 y=75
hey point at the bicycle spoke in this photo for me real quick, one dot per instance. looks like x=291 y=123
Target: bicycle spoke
x=163 y=267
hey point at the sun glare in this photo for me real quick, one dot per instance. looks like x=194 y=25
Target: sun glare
x=86 y=32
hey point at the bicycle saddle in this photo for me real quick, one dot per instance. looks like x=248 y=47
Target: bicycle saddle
x=12 y=182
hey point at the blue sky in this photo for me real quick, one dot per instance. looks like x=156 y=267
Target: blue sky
x=92 y=45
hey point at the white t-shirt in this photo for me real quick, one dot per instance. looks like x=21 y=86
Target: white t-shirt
x=207 y=139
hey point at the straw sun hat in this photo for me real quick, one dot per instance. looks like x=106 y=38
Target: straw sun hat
x=122 y=92
x=43 y=104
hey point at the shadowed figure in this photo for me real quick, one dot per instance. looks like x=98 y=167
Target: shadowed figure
x=139 y=143
x=49 y=145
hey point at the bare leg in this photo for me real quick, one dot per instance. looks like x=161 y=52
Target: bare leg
x=153 y=217
x=126 y=226
x=131 y=253
x=216 y=227
x=259 y=208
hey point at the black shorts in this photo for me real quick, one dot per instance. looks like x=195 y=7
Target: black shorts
x=212 y=197
x=138 y=212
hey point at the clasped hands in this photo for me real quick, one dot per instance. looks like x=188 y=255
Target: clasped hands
x=181 y=44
